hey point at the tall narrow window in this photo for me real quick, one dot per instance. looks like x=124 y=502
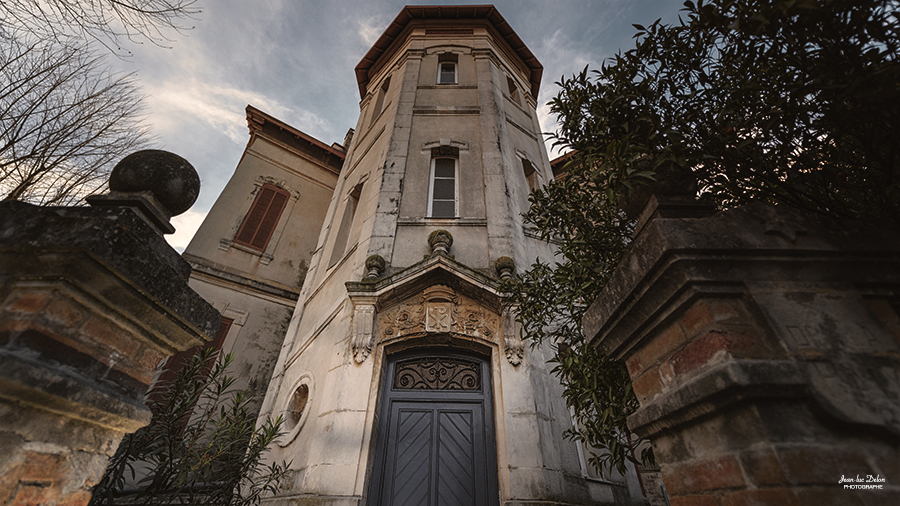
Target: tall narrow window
x=447 y=68
x=379 y=99
x=260 y=222
x=530 y=174
x=513 y=90
x=340 y=242
x=442 y=199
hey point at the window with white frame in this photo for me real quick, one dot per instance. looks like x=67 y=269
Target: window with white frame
x=447 y=63
x=442 y=194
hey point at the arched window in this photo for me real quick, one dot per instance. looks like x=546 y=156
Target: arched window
x=447 y=68
x=442 y=194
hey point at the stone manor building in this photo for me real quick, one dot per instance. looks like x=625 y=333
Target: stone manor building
x=359 y=282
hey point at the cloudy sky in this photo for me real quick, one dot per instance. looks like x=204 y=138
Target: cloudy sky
x=294 y=59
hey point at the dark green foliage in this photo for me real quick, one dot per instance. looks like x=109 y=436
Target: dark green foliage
x=201 y=447
x=553 y=298
x=790 y=102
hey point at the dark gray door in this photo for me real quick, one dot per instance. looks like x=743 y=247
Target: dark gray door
x=435 y=441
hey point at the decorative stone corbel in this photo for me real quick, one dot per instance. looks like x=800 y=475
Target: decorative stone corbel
x=515 y=347
x=362 y=340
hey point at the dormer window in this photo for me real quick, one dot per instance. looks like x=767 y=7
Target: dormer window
x=447 y=68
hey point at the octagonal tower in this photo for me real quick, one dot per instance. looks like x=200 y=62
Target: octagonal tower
x=402 y=377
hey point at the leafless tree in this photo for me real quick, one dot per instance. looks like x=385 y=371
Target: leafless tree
x=65 y=119
x=104 y=21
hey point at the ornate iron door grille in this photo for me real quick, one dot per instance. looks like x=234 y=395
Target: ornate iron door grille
x=437 y=373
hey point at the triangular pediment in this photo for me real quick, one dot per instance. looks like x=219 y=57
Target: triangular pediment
x=436 y=270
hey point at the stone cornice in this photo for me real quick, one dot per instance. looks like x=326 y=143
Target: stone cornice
x=409 y=14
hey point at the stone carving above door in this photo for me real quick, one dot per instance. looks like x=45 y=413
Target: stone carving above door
x=438 y=310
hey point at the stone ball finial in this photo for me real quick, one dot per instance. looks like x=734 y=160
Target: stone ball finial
x=440 y=241
x=374 y=266
x=505 y=267
x=169 y=177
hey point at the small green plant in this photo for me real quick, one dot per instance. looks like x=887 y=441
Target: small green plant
x=201 y=447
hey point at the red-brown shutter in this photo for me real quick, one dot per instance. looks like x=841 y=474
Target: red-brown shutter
x=224 y=327
x=177 y=361
x=259 y=225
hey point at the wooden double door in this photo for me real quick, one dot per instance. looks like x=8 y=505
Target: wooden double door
x=435 y=437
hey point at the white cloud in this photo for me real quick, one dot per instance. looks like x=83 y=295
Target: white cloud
x=561 y=57
x=186 y=226
x=548 y=125
x=561 y=52
x=216 y=106
x=370 y=28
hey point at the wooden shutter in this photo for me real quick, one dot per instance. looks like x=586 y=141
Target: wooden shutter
x=177 y=361
x=224 y=327
x=259 y=224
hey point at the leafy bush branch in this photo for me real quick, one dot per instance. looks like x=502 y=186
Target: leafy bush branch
x=201 y=446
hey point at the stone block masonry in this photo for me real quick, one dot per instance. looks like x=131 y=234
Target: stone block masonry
x=764 y=348
x=91 y=300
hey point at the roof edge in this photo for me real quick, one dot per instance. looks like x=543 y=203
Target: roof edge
x=257 y=118
x=410 y=12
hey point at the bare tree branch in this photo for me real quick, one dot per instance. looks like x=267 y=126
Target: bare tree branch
x=65 y=119
x=104 y=21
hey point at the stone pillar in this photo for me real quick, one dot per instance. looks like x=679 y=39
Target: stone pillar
x=764 y=347
x=91 y=300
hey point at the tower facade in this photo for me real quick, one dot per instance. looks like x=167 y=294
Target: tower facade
x=402 y=376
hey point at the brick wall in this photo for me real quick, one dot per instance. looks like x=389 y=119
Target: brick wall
x=91 y=300
x=764 y=349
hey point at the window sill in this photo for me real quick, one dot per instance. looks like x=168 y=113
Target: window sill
x=456 y=222
x=227 y=244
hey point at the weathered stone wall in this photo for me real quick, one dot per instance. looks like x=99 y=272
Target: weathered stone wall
x=764 y=348
x=91 y=299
